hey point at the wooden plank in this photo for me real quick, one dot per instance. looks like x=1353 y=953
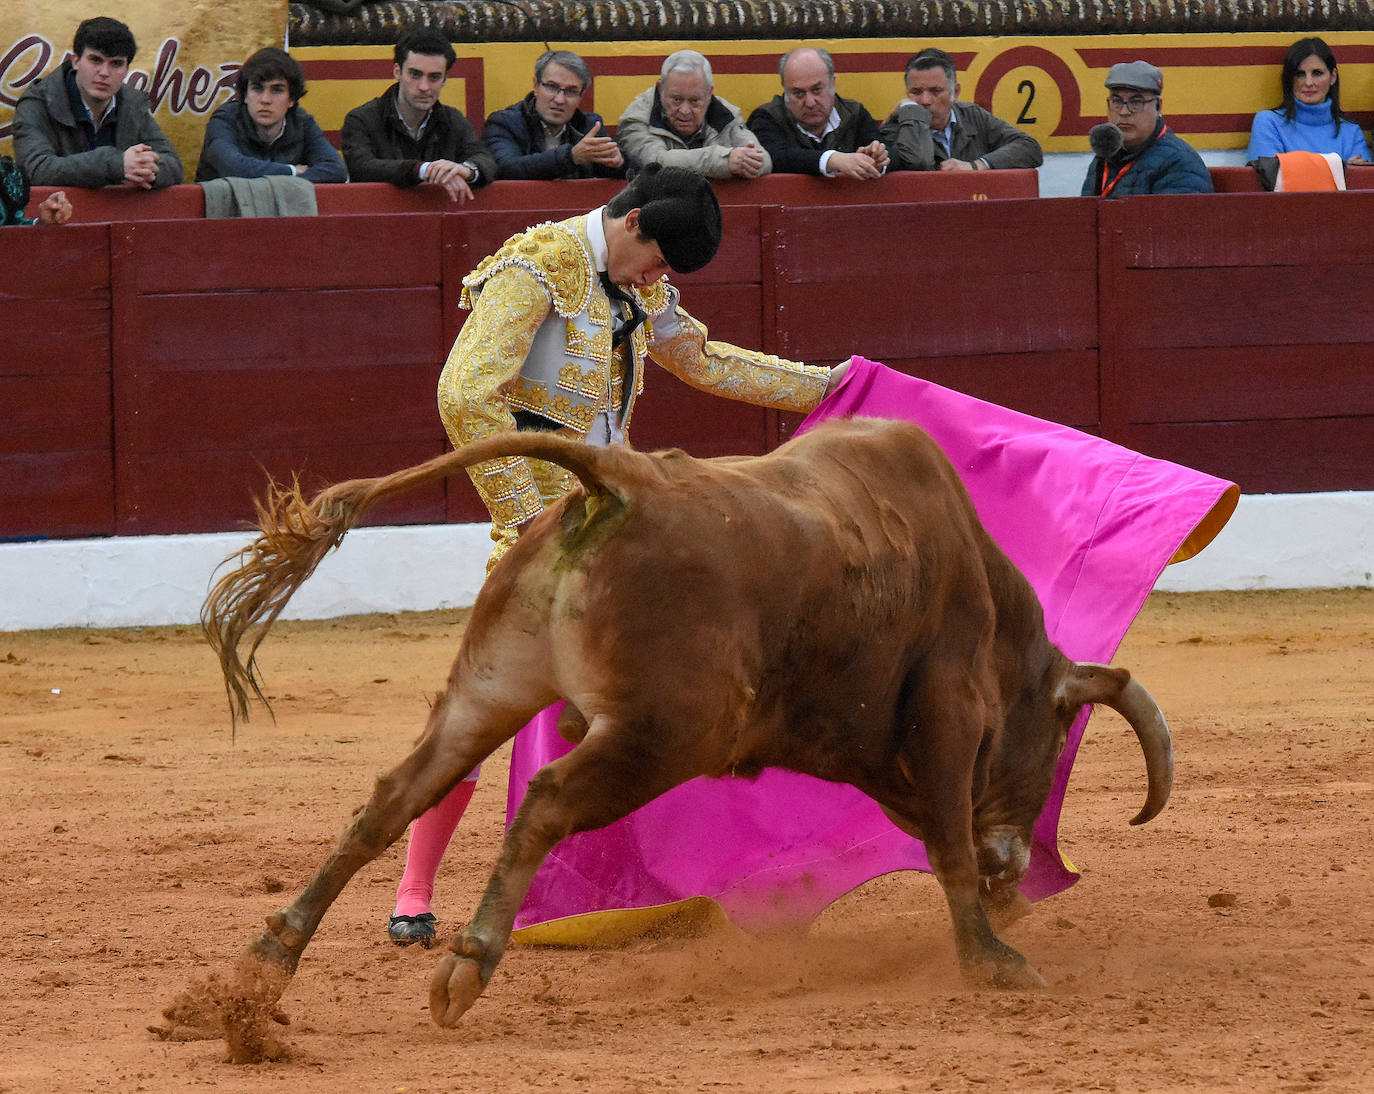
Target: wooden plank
x=896 y=187
x=111 y=204
x=1205 y=306
x=228 y=411
x=59 y=337
x=285 y=254
x=1009 y=277
x=1238 y=383
x=56 y=493
x=341 y=328
x=70 y=262
x=1309 y=231
x=1262 y=457
x=1057 y=386
x=670 y=414
x=55 y=414
x=995 y=313
x=730 y=313
x=191 y=492
x=916 y=248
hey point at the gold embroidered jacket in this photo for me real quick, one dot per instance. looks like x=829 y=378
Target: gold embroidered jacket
x=539 y=339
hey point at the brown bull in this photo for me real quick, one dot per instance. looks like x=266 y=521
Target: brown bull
x=834 y=608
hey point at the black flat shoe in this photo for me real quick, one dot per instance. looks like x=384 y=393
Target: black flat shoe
x=406 y=929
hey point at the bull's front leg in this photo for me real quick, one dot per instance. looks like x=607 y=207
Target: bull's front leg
x=603 y=779
x=984 y=956
x=462 y=975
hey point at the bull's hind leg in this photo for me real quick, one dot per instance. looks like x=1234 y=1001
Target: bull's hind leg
x=462 y=730
x=600 y=781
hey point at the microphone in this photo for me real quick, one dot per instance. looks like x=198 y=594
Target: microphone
x=1105 y=140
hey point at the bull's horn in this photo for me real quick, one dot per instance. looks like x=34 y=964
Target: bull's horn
x=1090 y=683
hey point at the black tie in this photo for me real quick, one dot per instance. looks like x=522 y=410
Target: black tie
x=631 y=313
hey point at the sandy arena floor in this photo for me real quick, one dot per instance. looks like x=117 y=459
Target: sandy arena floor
x=145 y=846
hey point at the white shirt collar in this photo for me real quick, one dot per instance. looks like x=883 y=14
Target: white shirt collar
x=419 y=129
x=831 y=124
x=596 y=236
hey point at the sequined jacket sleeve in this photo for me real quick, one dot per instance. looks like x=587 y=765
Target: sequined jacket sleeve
x=680 y=344
x=486 y=358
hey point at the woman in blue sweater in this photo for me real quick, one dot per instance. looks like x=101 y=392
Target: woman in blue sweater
x=1309 y=119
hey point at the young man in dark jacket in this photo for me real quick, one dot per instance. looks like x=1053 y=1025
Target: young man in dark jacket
x=407 y=137
x=263 y=131
x=81 y=125
x=545 y=135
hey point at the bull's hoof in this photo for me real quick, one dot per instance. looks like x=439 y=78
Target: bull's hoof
x=454 y=987
x=242 y=1009
x=1022 y=977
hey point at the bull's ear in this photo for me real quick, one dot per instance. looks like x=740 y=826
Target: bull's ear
x=1085 y=682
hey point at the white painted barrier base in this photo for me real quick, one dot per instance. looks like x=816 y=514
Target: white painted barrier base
x=1274 y=541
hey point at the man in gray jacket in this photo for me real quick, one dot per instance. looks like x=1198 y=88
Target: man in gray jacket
x=930 y=130
x=81 y=125
x=681 y=122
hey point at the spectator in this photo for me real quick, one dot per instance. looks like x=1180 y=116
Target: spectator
x=407 y=137
x=809 y=130
x=681 y=122
x=1150 y=158
x=262 y=131
x=930 y=130
x=1310 y=118
x=545 y=135
x=14 y=195
x=81 y=125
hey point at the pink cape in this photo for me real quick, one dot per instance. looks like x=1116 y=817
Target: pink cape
x=1092 y=525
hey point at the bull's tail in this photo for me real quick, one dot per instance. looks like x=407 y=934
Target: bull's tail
x=295 y=534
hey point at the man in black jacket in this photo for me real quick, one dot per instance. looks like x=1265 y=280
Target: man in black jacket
x=83 y=125
x=809 y=130
x=546 y=135
x=407 y=137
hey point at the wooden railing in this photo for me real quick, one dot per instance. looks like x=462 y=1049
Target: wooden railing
x=157 y=368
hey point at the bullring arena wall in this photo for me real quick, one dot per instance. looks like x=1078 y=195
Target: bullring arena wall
x=159 y=362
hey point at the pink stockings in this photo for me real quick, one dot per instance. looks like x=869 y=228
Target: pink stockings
x=429 y=837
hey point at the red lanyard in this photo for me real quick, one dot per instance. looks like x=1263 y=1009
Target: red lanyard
x=1108 y=186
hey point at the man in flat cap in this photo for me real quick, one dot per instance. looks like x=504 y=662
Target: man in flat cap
x=563 y=317
x=1143 y=156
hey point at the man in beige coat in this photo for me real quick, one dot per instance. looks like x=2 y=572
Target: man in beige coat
x=681 y=122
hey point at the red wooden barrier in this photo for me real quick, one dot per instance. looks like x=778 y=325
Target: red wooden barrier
x=56 y=470
x=1244 y=180
x=157 y=367
x=305 y=346
x=1237 y=335
x=996 y=299
x=116 y=203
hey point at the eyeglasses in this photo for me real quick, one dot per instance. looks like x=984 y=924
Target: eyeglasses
x=555 y=90
x=1130 y=106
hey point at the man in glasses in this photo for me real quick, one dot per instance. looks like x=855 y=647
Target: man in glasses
x=1149 y=158
x=931 y=130
x=682 y=122
x=563 y=319
x=407 y=137
x=546 y=135
x=809 y=130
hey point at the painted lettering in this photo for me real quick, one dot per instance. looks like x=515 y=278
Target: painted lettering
x=22 y=63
